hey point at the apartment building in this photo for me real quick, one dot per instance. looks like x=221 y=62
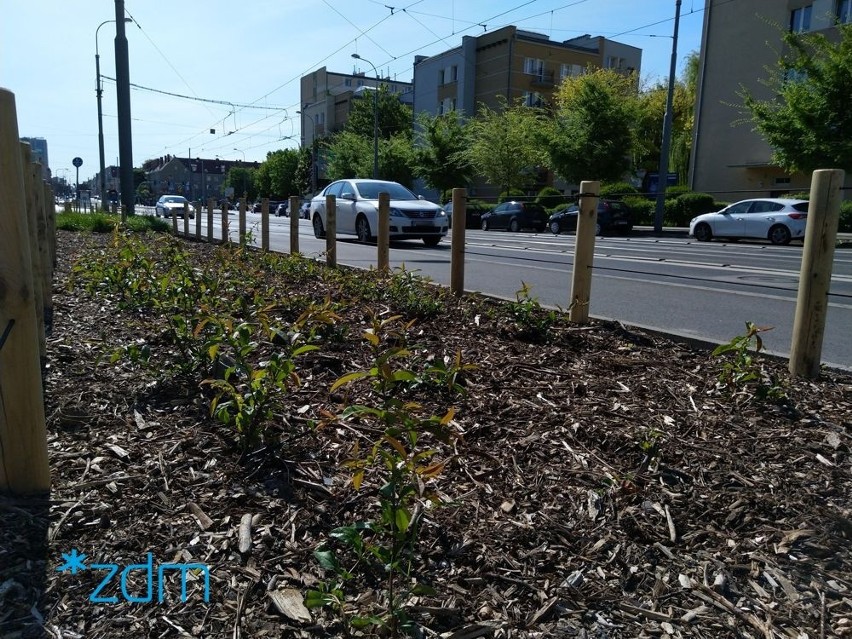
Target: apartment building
x=739 y=41
x=514 y=64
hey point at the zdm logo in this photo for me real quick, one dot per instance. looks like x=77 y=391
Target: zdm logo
x=75 y=561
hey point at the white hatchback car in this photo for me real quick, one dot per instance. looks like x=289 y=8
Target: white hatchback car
x=357 y=207
x=773 y=219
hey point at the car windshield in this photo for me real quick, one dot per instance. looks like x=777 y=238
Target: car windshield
x=371 y=190
x=174 y=200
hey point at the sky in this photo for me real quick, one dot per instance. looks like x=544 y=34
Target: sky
x=235 y=66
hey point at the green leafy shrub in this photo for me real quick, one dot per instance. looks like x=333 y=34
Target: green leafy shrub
x=845 y=217
x=618 y=190
x=674 y=192
x=550 y=197
x=106 y=222
x=643 y=210
x=511 y=194
x=692 y=204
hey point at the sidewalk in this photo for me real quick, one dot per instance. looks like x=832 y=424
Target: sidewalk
x=844 y=240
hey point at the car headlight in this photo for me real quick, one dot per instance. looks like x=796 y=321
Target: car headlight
x=394 y=212
x=442 y=213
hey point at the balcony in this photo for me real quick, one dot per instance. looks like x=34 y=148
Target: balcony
x=543 y=79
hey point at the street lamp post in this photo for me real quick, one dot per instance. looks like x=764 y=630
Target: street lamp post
x=99 y=93
x=314 y=165
x=375 y=118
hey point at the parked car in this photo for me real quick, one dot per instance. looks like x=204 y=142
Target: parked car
x=613 y=216
x=168 y=203
x=304 y=209
x=778 y=220
x=515 y=216
x=357 y=206
x=472 y=212
x=281 y=209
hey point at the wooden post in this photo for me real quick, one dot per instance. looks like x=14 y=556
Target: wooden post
x=45 y=255
x=584 y=252
x=458 y=241
x=264 y=224
x=51 y=233
x=226 y=238
x=331 y=230
x=186 y=219
x=242 y=221
x=294 y=224
x=174 y=221
x=815 y=274
x=23 y=437
x=32 y=172
x=199 y=209
x=210 y=204
x=383 y=237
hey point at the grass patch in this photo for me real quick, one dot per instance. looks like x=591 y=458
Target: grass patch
x=106 y=222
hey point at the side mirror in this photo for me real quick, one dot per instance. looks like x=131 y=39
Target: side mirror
x=347 y=196
x=420 y=197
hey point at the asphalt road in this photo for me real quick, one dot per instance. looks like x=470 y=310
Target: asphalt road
x=676 y=285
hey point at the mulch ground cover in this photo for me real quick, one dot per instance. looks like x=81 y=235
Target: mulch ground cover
x=601 y=481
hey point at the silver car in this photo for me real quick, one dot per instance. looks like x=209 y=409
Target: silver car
x=357 y=206
x=168 y=203
x=778 y=220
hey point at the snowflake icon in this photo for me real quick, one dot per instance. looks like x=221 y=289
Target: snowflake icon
x=74 y=561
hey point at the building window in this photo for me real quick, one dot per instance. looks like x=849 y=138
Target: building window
x=614 y=62
x=533 y=99
x=347 y=82
x=534 y=66
x=440 y=76
x=360 y=83
x=454 y=73
x=844 y=9
x=800 y=19
x=570 y=71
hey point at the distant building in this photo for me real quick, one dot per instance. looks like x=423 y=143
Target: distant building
x=39 y=152
x=515 y=64
x=740 y=40
x=194 y=178
x=327 y=99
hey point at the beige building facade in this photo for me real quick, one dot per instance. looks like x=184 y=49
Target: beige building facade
x=739 y=41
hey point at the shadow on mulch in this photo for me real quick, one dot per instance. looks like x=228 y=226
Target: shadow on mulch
x=24 y=529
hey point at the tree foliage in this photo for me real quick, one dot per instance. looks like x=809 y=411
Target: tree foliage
x=394 y=117
x=505 y=146
x=808 y=120
x=439 y=158
x=349 y=155
x=241 y=178
x=276 y=177
x=592 y=134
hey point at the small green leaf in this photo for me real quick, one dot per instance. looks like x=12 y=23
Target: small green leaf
x=423 y=589
x=327 y=560
x=349 y=377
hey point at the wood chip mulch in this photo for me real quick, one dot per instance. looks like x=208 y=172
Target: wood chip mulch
x=604 y=485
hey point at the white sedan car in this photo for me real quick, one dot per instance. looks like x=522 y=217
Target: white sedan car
x=167 y=204
x=357 y=207
x=773 y=219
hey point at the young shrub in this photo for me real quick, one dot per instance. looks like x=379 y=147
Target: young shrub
x=845 y=225
x=550 y=198
x=618 y=190
x=693 y=204
x=643 y=210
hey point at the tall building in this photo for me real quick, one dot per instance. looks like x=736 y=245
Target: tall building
x=514 y=64
x=740 y=40
x=39 y=153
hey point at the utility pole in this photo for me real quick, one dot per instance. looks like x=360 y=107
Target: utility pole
x=122 y=82
x=662 y=180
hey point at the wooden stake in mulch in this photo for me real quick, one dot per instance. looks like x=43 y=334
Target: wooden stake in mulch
x=23 y=438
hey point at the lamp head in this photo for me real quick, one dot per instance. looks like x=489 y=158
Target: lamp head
x=356 y=56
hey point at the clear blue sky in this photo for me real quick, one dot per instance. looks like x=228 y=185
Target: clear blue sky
x=252 y=53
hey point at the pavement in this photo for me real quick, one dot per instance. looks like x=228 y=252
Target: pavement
x=844 y=240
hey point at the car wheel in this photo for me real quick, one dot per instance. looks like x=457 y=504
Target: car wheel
x=319 y=231
x=432 y=241
x=555 y=227
x=598 y=229
x=362 y=229
x=703 y=233
x=485 y=225
x=514 y=226
x=780 y=234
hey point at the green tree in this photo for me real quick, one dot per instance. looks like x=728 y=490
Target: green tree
x=808 y=120
x=351 y=156
x=241 y=178
x=439 y=158
x=276 y=176
x=505 y=145
x=394 y=116
x=302 y=177
x=592 y=133
x=396 y=159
